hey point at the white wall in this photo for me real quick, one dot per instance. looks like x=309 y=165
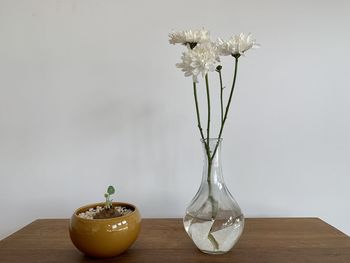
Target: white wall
x=90 y=96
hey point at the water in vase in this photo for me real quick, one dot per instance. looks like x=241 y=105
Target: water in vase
x=226 y=232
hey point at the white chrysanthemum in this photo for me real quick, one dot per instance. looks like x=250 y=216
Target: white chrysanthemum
x=236 y=45
x=189 y=37
x=199 y=60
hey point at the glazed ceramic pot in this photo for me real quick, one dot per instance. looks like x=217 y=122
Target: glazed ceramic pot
x=104 y=237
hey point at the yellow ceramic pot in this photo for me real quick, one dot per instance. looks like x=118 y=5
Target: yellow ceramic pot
x=104 y=237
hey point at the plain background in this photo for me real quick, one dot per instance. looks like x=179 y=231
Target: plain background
x=90 y=96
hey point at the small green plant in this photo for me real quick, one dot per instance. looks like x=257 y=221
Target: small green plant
x=110 y=191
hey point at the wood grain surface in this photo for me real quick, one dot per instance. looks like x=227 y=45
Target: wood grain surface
x=270 y=240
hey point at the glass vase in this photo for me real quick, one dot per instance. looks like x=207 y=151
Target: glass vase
x=213 y=219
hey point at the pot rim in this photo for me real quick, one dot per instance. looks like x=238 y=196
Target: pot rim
x=85 y=207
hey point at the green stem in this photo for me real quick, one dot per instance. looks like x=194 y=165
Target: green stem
x=214 y=207
x=208 y=133
x=227 y=107
x=208 y=120
x=221 y=94
x=107 y=202
x=213 y=241
x=208 y=144
x=197 y=110
x=208 y=128
x=209 y=178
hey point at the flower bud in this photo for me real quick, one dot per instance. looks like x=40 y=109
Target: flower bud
x=218 y=68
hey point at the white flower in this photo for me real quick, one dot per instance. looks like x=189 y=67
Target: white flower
x=236 y=45
x=199 y=60
x=189 y=37
x=186 y=64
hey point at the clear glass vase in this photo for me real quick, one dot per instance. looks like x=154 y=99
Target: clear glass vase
x=213 y=219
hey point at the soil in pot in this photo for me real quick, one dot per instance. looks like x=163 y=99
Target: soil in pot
x=100 y=212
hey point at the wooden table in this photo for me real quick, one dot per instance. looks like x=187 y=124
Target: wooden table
x=267 y=240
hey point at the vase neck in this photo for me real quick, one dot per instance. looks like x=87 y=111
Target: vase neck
x=212 y=171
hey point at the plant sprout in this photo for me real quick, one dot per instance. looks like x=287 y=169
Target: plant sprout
x=110 y=191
